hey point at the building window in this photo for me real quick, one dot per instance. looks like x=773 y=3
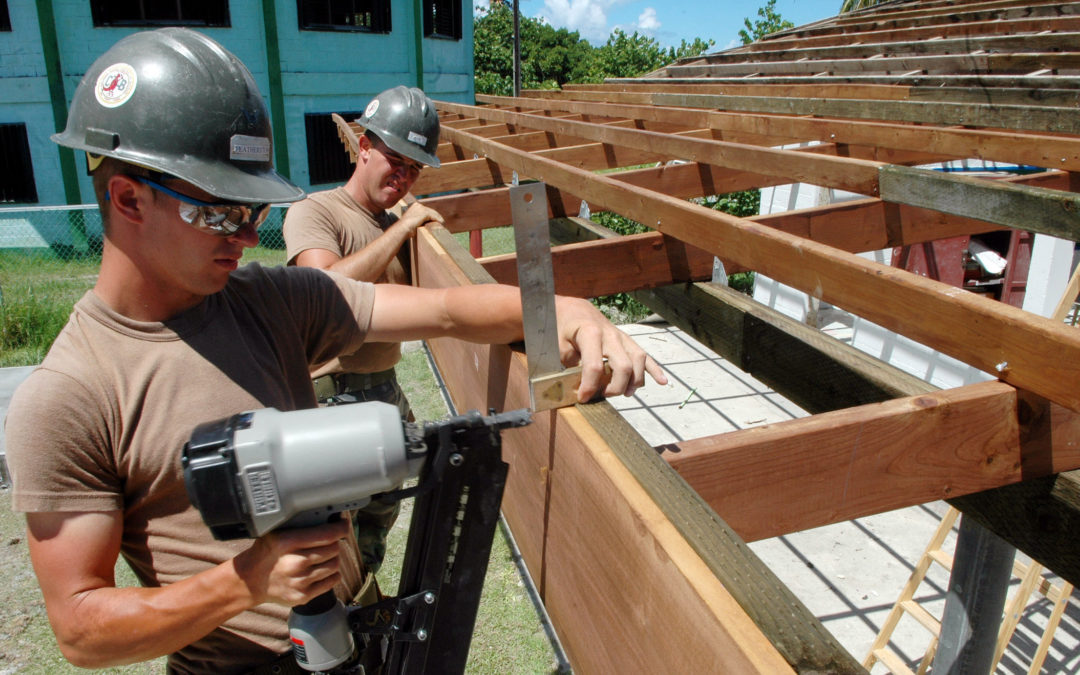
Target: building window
x=160 y=13
x=442 y=19
x=328 y=158
x=372 y=16
x=5 y=19
x=16 y=170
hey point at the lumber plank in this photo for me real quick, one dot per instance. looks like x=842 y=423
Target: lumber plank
x=1031 y=118
x=962 y=30
x=767 y=51
x=1036 y=516
x=1043 y=150
x=631 y=540
x=984 y=203
x=1036 y=209
x=629 y=263
x=849 y=174
x=557 y=462
x=936 y=63
x=1027 y=351
x=860 y=461
x=946 y=89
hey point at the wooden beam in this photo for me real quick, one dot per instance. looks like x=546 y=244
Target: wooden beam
x=836 y=172
x=1037 y=517
x=1034 y=209
x=816 y=372
x=1064 y=41
x=1026 y=351
x=1062 y=120
x=625 y=264
x=900 y=88
x=849 y=174
x=1042 y=150
x=987 y=63
x=860 y=461
x=942 y=33
x=559 y=468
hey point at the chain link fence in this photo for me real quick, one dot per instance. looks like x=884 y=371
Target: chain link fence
x=50 y=257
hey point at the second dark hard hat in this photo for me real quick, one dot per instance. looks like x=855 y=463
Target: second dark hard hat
x=176 y=101
x=406 y=120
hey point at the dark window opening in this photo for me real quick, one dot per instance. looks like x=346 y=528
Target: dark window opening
x=209 y=13
x=16 y=169
x=442 y=19
x=5 y=18
x=371 y=16
x=328 y=158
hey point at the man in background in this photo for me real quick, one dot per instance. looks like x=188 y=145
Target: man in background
x=361 y=231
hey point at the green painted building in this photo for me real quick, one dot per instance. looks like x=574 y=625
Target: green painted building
x=310 y=58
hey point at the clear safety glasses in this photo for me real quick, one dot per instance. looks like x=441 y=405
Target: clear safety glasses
x=220 y=219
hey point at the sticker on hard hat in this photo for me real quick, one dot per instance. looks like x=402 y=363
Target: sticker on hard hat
x=417 y=138
x=115 y=85
x=249 y=148
x=371 y=109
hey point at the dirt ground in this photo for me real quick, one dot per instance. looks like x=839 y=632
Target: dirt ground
x=26 y=640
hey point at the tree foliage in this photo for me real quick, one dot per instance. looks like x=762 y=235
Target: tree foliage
x=770 y=22
x=552 y=57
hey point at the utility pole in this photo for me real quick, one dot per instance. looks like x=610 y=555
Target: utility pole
x=517 y=50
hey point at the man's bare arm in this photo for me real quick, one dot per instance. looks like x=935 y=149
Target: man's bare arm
x=369 y=263
x=99 y=625
x=491 y=313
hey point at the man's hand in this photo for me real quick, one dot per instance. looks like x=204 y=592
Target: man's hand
x=418 y=215
x=292 y=566
x=586 y=336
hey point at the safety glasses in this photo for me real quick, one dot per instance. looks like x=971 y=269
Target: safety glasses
x=220 y=219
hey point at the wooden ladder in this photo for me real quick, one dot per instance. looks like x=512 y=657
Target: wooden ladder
x=1031 y=580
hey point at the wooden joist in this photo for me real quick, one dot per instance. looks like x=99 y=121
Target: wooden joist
x=1041 y=150
x=989 y=335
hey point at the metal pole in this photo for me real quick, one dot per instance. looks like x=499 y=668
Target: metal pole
x=982 y=568
x=517 y=50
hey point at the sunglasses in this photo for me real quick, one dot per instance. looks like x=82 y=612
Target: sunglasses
x=219 y=219
x=396 y=161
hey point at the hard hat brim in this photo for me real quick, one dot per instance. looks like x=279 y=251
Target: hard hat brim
x=405 y=149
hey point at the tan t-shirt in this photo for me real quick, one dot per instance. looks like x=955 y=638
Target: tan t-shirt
x=332 y=220
x=100 y=424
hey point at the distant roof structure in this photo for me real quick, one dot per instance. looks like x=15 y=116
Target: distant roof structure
x=999 y=47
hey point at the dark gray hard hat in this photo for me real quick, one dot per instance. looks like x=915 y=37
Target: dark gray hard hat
x=406 y=120
x=175 y=101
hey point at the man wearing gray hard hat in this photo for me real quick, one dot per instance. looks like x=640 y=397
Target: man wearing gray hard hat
x=175 y=334
x=361 y=230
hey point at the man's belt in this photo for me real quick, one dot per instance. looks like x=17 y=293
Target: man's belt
x=335 y=384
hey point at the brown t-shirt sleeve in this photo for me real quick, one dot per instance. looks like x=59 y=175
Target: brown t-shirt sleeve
x=332 y=312
x=63 y=463
x=308 y=224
